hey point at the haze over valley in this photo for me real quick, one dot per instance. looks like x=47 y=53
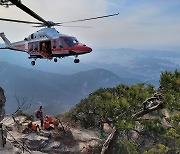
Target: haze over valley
x=65 y=83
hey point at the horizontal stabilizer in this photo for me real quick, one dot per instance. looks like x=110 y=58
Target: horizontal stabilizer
x=4 y=48
x=11 y=49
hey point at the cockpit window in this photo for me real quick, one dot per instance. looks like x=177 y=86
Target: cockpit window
x=71 y=41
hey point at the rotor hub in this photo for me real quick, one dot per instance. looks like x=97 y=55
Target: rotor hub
x=49 y=24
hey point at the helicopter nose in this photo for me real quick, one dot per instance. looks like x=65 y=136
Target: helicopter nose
x=82 y=48
x=88 y=49
x=85 y=48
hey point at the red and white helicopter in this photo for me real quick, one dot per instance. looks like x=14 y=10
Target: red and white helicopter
x=46 y=43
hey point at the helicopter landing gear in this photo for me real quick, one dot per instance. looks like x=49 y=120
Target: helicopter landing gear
x=33 y=63
x=55 y=60
x=76 y=60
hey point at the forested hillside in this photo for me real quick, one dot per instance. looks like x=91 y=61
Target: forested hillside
x=138 y=129
x=56 y=92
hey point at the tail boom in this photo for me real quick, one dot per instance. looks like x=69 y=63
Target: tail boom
x=7 y=42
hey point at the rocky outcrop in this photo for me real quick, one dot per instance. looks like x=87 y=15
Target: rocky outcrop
x=70 y=140
x=57 y=140
x=2 y=104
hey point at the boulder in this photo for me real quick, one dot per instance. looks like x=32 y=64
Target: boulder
x=2 y=104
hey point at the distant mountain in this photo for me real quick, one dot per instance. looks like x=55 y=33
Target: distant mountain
x=56 y=92
x=64 y=66
x=142 y=65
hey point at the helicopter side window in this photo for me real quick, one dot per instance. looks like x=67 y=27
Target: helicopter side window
x=35 y=46
x=54 y=44
x=32 y=36
x=30 y=47
x=61 y=44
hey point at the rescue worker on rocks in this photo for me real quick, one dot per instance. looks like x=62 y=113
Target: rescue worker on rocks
x=34 y=127
x=49 y=119
x=39 y=115
x=55 y=123
x=47 y=125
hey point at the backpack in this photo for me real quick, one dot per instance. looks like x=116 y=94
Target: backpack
x=37 y=114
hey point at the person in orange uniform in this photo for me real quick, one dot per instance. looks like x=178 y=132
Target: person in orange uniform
x=55 y=122
x=49 y=119
x=34 y=127
x=46 y=125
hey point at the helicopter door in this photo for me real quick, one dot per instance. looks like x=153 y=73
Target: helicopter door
x=61 y=45
x=30 y=47
x=45 y=46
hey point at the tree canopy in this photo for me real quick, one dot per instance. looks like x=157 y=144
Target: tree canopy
x=155 y=132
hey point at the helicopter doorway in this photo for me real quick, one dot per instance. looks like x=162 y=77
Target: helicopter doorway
x=45 y=46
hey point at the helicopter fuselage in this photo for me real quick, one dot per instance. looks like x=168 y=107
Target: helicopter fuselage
x=46 y=43
x=49 y=43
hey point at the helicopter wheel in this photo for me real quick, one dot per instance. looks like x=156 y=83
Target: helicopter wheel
x=76 y=60
x=55 y=60
x=33 y=63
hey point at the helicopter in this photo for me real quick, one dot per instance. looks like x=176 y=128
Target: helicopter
x=46 y=43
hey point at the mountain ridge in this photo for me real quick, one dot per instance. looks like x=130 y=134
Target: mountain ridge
x=46 y=88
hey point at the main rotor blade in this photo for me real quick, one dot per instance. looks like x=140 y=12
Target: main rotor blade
x=27 y=10
x=90 y=18
x=74 y=26
x=20 y=21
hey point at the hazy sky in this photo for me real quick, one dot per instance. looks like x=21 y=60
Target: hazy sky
x=141 y=23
